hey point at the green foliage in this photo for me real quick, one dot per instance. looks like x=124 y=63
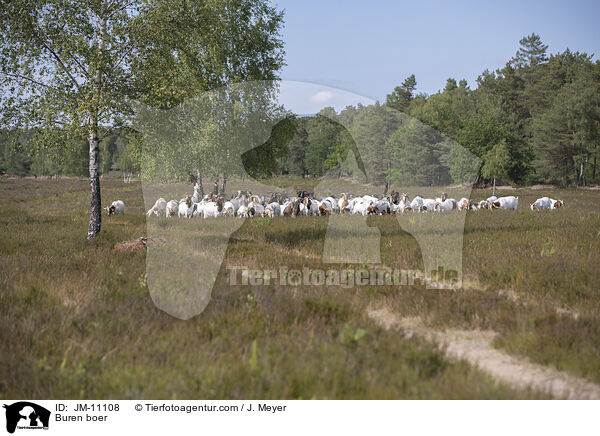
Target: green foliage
x=263 y=161
x=463 y=165
x=402 y=95
x=373 y=127
x=566 y=135
x=419 y=156
x=497 y=162
x=351 y=336
x=531 y=53
x=254 y=355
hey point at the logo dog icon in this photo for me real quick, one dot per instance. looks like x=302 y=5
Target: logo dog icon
x=27 y=415
x=218 y=129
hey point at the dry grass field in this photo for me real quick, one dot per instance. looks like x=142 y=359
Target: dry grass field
x=76 y=319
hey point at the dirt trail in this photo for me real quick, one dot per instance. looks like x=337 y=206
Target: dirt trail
x=475 y=346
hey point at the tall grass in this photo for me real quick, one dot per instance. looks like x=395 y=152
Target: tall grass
x=77 y=320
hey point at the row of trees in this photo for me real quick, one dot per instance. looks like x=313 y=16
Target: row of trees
x=21 y=155
x=536 y=120
x=382 y=144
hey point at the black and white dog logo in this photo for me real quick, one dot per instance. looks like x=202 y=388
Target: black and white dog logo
x=26 y=415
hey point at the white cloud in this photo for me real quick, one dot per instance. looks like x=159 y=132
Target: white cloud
x=322 y=97
x=307 y=98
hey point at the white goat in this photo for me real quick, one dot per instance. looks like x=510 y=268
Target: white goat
x=185 y=208
x=416 y=203
x=242 y=211
x=255 y=208
x=116 y=208
x=428 y=205
x=541 y=204
x=171 y=209
x=506 y=203
x=273 y=209
x=211 y=210
x=159 y=207
x=545 y=203
x=228 y=209
x=446 y=205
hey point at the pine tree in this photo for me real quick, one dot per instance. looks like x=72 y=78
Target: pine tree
x=402 y=95
x=531 y=53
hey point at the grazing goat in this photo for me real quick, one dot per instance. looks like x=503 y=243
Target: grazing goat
x=332 y=204
x=159 y=207
x=383 y=207
x=228 y=209
x=242 y=212
x=484 y=204
x=171 y=209
x=273 y=209
x=185 y=208
x=255 y=209
x=446 y=204
x=211 y=210
x=416 y=203
x=464 y=204
x=343 y=202
x=116 y=208
x=541 y=204
x=545 y=203
x=428 y=205
x=361 y=207
x=324 y=208
x=198 y=209
x=505 y=203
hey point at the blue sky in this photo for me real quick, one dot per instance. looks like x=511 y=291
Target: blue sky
x=369 y=47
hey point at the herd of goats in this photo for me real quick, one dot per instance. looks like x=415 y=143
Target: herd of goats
x=244 y=204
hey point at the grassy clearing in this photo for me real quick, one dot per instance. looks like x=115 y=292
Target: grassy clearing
x=77 y=320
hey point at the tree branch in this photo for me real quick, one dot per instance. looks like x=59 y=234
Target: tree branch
x=127 y=52
x=37 y=33
x=19 y=76
x=114 y=11
x=83 y=72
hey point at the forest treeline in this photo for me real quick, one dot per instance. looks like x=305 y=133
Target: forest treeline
x=536 y=120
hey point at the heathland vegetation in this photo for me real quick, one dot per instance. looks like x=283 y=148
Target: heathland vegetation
x=77 y=320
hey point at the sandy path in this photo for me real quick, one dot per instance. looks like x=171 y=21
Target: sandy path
x=475 y=347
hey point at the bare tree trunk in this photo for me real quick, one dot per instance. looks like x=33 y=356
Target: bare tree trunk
x=387 y=175
x=580 y=178
x=95 y=199
x=223 y=185
x=494 y=189
x=94 y=142
x=594 y=171
x=216 y=185
x=198 y=188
